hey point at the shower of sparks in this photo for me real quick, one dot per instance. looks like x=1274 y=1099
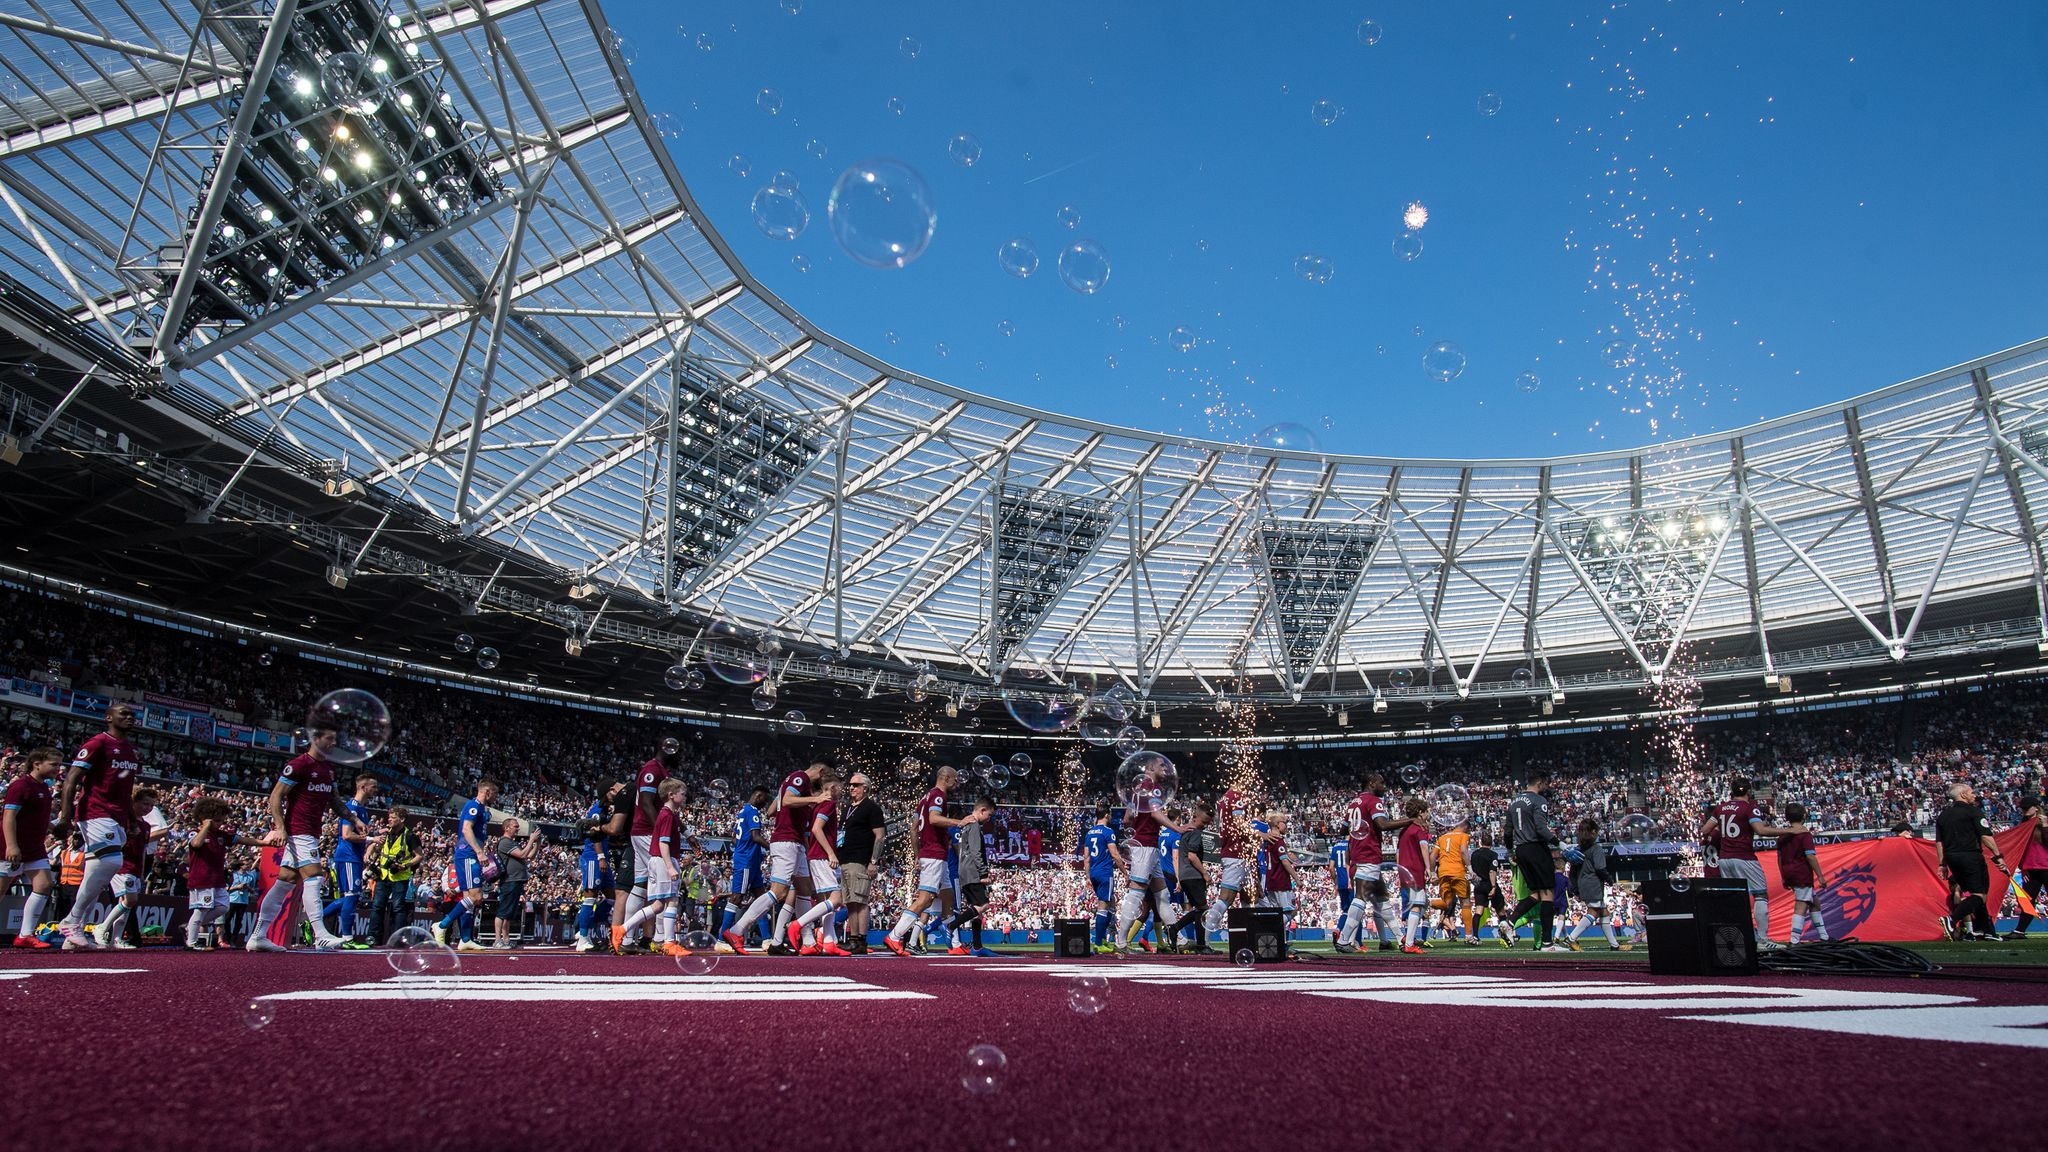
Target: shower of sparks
x=1644 y=242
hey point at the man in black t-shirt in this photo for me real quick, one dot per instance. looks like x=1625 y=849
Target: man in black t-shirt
x=619 y=846
x=861 y=836
x=1486 y=895
x=1965 y=836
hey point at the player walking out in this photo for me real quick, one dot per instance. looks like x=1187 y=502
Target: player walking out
x=1737 y=824
x=1098 y=846
x=98 y=788
x=591 y=867
x=1147 y=815
x=2032 y=882
x=821 y=856
x=1533 y=848
x=24 y=833
x=664 y=870
x=472 y=829
x=299 y=803
x=932 y=823
x=749 y=849
x=112 y=931
x=350 y=843
x=1454 y=878
x=787 y=864
x=1366 y=819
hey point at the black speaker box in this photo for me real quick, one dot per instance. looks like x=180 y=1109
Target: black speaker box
x=1699 y=926
x=1261 y=930
x=1070 y=938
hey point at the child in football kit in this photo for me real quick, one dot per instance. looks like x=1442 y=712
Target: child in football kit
x=1592 y=872
x=1411 y=857
x=1799 y=868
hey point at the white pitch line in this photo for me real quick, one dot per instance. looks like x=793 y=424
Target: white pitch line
x=25 y=973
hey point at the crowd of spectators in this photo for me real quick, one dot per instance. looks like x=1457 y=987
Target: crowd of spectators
x=1872 y=769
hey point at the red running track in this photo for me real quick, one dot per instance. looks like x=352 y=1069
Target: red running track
x=558 y=1051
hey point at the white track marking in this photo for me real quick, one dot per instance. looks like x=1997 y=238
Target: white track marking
x=25 y=973
x=606 y=988
x=2020 y=1026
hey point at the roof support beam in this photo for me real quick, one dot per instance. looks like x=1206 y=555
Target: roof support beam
x=1739 y=463
x=1868 y=496
x=2009 y=457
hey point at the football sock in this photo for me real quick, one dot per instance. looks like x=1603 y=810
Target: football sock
x=1414 y=924
x=641 y=917
x=32 y=912
x=755 y=911
x=1760 y=910
x=99 y=872
x=1354 y=922
x=1128 y=911
x=585 y=912
x=1100 y=930
x=1384 y=916
x=1607 y=926
x=904 y=923
x=310 y=896
x=274 y=900
x=665 y=929
x=1820 y=926
x=815 y=913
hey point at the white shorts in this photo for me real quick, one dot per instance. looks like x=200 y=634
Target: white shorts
x=931 y=875
x=824 y=878
x=1750 y=872
x=1418 y=897
x=1364 y=876
x=643 y=851
x=104 y=837
x=1233 y=874
x=301 y=852
x=1281 y=900
x=127 y=884
x=1803 y=895
x=25 y=868
x=785 y=860
x=207 y=898
x=661 y=879
x=1144 y=863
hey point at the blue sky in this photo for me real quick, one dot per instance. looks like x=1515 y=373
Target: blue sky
x=1770 y=206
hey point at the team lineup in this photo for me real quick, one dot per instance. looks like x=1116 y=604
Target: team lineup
x=806 y=856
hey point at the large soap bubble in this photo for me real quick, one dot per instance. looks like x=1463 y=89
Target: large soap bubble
x=1147 y=782
x=881 y=213
x=1084 y=267
x=359 y=722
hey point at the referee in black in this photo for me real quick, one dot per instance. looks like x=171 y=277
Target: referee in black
x=1532 y=844
x=1965 y=836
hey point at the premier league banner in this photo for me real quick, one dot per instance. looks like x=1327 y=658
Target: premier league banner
x=1889 y=889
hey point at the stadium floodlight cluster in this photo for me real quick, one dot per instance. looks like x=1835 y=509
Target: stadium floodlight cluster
x=355 y=149
x=1044 y=540
x=1647 y=565
x=1312 y=570
x=732 y=455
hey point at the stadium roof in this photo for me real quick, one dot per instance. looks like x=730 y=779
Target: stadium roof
x=521 y=343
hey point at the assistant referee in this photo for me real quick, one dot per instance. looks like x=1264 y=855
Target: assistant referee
x=1965 y=836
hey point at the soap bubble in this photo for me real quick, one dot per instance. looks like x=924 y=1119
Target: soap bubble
x=881 y=213
x=1443 y=362
x=1325 y=112
x=1130 y=740
x=1181 y=338
x=1408 y=246
x=703 y=957
x=739 y=665
x=964 y=149
x=1017 y=256
x=1618 y=353
x=465 y=643
x=487 y=658
x=1069 y=216
x=1117 y=703
x=1314 y=269
x=780 y=211
x=1098 y=733
x=985 y=1067
x=258 y=1014
x=1020 y=764
x=1369 y=32
x=800 y=262
x=359 y=722
x=1244 y=958
x=1084 y=267
x=1489 y=103
x=1528 y=382
x=1147 y=782
x=1410 y=774
x=763 y=699
x=1287 y=437
x=1636 y=827
x=768 y=100
x=910 y=47
x=1401 y=677
x=1449 y=805
x=1036 y=703
x=795 y=722
x=1005 y=327
x=356 y=82
x=896 y=105
x=1087 y=995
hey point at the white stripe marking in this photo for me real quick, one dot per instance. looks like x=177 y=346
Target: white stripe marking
x=2017 y=1025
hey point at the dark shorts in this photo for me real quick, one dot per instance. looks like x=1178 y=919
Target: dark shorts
x=1537 y=867
x=510 y=895
x=1197 y=891
x=1968 y=872
x=974 y=894
x=621 y=856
